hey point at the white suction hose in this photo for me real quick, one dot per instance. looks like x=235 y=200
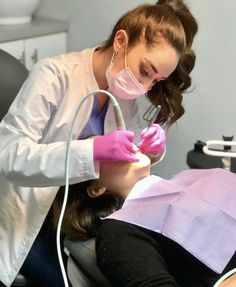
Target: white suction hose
x=120 y=125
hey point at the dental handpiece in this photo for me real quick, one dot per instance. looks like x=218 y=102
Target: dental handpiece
x=120 y=124
x=116 y=107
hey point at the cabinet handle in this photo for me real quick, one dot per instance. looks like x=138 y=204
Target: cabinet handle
x=34 y=57
x=22 y=58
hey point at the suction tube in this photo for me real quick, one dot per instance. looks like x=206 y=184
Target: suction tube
x=120 y=125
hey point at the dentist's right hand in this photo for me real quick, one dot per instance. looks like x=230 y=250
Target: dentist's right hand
x=115 y=146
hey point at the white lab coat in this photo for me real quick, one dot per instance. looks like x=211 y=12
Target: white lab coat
x=33 y=139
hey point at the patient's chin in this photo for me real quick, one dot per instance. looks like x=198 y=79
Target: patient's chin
x=144 y=161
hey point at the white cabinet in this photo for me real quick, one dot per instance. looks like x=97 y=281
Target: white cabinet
x=30 y=50
x=15 y=48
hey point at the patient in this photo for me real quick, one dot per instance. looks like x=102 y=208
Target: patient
x=94 y=199
x=178 y=232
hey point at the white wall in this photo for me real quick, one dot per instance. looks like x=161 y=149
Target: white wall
x=90 y=21
x=211 y=106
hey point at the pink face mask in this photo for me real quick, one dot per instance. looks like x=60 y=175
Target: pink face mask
x=124 y=85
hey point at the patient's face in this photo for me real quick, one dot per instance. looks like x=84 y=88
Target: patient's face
x=120 y=177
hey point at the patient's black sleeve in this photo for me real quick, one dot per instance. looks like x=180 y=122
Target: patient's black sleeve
x=130 y=256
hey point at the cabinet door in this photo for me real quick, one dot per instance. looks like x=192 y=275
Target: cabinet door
x=15 y=48
x=42 y=47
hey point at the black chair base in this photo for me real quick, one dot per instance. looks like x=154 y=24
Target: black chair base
x=19 y=281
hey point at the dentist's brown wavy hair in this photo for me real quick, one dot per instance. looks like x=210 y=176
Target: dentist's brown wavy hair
x=173 y=21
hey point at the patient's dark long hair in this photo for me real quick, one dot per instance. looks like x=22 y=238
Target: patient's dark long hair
x=82 y=215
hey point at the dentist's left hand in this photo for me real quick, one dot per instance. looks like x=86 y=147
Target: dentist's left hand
x=115 y=146
x=153 y=140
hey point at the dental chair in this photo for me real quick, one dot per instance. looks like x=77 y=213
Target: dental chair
x=82 y=268
x=12 y=76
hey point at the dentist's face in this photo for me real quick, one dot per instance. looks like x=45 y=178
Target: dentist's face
x=149 y=65
x=120 y=177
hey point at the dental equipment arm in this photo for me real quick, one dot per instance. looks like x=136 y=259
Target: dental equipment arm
x=208 y=151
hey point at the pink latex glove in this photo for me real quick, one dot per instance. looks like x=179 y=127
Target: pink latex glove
x=115 y=146
x=153 y=140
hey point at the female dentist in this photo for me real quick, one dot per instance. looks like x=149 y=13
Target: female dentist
x=148 y=52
